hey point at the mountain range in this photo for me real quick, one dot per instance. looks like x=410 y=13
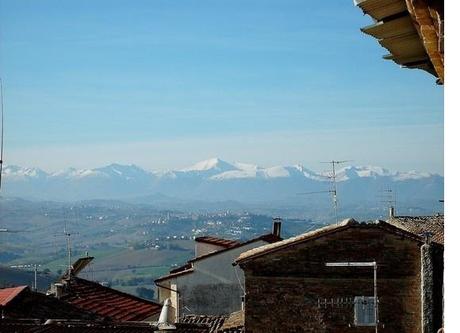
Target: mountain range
x=215 y=180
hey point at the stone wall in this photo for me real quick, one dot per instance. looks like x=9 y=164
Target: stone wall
x=283 y=288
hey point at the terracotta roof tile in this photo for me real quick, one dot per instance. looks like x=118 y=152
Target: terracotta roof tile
x=419 y=225
x=188 y=267
x=108 y=302
x=30 y=304
x=345 y=224
x=269 y=238
x=8 y=294
x=72 y=326
x=212 y=322
x=294 y=240
x=234 y=323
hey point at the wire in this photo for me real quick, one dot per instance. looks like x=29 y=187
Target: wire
x=238 y=278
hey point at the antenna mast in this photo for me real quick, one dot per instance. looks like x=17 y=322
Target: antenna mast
x=389 y=198
x=333 y=190
x=68 y=236
x=1 y=135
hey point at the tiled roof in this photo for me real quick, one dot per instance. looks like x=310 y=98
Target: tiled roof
x=345 y=224
x=217 y=241
x=421 y=224
x=269 y=238
x=8 y=294
x=294 y=240
x=175 y=274
x=30 y=326
x=234 y=323
x=30 y=304
x=213 y=323
x=108 y=302
x=188 y=267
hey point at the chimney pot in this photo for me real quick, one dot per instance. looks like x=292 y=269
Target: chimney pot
x=277 y=226
x=392 y=212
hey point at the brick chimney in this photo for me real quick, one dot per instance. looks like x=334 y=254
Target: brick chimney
x=277 y=226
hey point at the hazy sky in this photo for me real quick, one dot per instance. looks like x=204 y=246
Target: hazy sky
x=164 y=83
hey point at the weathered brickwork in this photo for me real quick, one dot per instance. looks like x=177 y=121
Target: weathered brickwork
x=283 y=288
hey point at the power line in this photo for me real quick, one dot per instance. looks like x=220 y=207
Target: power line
x=35 y=267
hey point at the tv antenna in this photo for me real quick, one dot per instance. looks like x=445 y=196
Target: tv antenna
x=388 y=197
x=68 y=236
x=333 y=190
x=333 y=178
x=1 y=134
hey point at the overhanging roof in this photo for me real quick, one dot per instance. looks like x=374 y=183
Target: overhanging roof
x=411 y=31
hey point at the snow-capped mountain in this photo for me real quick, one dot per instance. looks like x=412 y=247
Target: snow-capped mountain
x=218 y=180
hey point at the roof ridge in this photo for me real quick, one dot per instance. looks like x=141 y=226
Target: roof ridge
x=115 y=291
x=346 y=223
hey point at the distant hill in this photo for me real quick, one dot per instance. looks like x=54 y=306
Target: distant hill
x=216 y=181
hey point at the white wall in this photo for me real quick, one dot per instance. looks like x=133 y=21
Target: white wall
x=214 y=287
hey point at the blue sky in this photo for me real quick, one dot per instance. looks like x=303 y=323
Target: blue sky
x=164 y=83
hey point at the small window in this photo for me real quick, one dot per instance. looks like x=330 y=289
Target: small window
x=364 y=311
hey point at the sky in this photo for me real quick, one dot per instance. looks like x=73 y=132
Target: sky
x=164 y=84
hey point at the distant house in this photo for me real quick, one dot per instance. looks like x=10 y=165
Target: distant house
x=101 y=300
x=323 y=281
x=209 y=284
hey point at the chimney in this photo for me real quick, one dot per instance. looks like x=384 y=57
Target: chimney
x=58 y=290
x=277 y=226
x=392 y=212
x=166 y=320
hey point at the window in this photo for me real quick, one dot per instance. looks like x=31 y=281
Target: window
x=364 y=311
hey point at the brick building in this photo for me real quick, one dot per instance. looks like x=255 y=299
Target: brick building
x=289 y=287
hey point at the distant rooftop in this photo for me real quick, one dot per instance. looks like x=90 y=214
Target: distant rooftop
x=188 y=267
x=72 y=326
x=420 y=225
x=21 y=302
x=8 y=294
x=107 y=302
x=217 y=241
